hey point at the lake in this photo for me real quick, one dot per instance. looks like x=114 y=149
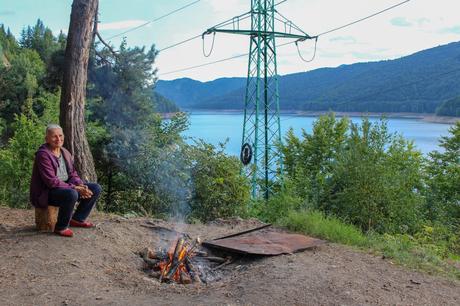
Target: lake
x=216 y=127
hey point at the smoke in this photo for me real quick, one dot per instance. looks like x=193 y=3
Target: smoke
x=161 y=172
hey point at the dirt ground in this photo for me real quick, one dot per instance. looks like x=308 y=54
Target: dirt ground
x=100 y=266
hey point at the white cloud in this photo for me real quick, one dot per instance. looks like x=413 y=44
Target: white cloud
x=120 y=25
x=432 y=23
x=454 y=30
x=400 y=22
x=7 y=13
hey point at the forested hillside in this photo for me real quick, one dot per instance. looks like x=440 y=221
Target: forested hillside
x=417 y=83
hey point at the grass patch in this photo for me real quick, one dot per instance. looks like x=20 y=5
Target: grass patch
x=407 y=251
x=317 y=224
x=401 y=249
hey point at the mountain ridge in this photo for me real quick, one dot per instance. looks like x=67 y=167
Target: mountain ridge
x=417 y=83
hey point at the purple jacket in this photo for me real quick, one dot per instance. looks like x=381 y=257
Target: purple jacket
x=44 y=175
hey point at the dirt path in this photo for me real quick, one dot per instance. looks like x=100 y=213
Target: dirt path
x=100 y=267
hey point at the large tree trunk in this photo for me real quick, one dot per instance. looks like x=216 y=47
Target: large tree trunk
x=72 y=115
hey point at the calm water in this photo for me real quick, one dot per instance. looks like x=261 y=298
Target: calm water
x=216 y=127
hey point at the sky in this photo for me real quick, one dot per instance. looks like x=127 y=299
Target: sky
x=406 y=29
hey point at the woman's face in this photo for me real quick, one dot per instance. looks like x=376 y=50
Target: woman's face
x=55 y=138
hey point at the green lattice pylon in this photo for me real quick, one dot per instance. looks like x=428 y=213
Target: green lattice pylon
x=261 y=126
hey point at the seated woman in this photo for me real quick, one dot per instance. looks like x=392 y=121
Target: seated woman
x=55 y=182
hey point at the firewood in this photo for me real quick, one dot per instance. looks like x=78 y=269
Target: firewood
x=192 y=271
x=200 y=253
x=229 y=261
x=177 y=250
x=214 y=259
x=145 y=254
x=184 y=278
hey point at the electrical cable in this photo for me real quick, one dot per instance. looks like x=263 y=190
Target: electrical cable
x=314 y=51
x=179 y=43
x=288 y=43
x=219 y=61
x=364 y=18
x=220 y=25
x=205 y=64
x=212 y=45
x=156 y=19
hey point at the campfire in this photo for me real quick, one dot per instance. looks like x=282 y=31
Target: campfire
x=182 y=262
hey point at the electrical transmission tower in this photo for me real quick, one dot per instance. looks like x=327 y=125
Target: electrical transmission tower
x=261 y=127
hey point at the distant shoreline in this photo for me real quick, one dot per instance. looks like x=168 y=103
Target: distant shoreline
x=420 y=116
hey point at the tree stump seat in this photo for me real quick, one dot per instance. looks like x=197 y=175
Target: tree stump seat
x=46 y=218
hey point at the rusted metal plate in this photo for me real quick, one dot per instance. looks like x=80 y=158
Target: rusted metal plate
x=266 y=242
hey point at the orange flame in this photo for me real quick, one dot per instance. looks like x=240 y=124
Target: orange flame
x=177 y=254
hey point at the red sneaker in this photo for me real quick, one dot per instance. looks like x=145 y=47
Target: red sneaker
x=65 y=232
x=76 y=223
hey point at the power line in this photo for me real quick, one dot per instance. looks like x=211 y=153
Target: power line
x=200 y=35
x=218 y=61
x=180 y=43
x=284 y=44
x=156 y=19
x=364 y=18
x=205 y=64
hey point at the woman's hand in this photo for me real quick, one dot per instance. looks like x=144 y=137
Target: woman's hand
x=84 y=191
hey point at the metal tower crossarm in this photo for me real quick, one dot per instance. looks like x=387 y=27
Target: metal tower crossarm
x=262 y=33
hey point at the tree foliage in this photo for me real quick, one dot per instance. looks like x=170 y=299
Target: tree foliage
x=450 y=107
x=17 y=156
x=361 y=173
x=219 y=190
x=443 y=170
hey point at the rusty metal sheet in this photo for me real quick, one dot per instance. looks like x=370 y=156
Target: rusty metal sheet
x=267 y=242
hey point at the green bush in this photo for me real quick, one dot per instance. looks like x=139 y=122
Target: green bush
x=17 y=156
x=375 y=181
x=278 y=206
x=219 y=190
x=16 y=161
x=443 y=180
x=360 y=173
x=309 y=161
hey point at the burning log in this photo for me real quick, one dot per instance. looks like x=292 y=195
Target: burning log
x=215 y=259
x=182 y=263
x=185 y=278
x=148 y=256
x=175 y=268
x=191 y=269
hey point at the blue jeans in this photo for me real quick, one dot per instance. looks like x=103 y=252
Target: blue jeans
x=66 y=198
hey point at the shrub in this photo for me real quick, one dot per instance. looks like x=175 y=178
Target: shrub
x=278 y=205
x=360 y=173
x=443 y=171
x=375 y=182
x=219 y=190
x=16 y=161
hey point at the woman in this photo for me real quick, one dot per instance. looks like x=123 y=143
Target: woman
x=55 y=182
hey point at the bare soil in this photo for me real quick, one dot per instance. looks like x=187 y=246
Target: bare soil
x=100 y=266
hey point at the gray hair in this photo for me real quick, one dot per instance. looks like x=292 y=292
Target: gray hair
x=52 y=126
